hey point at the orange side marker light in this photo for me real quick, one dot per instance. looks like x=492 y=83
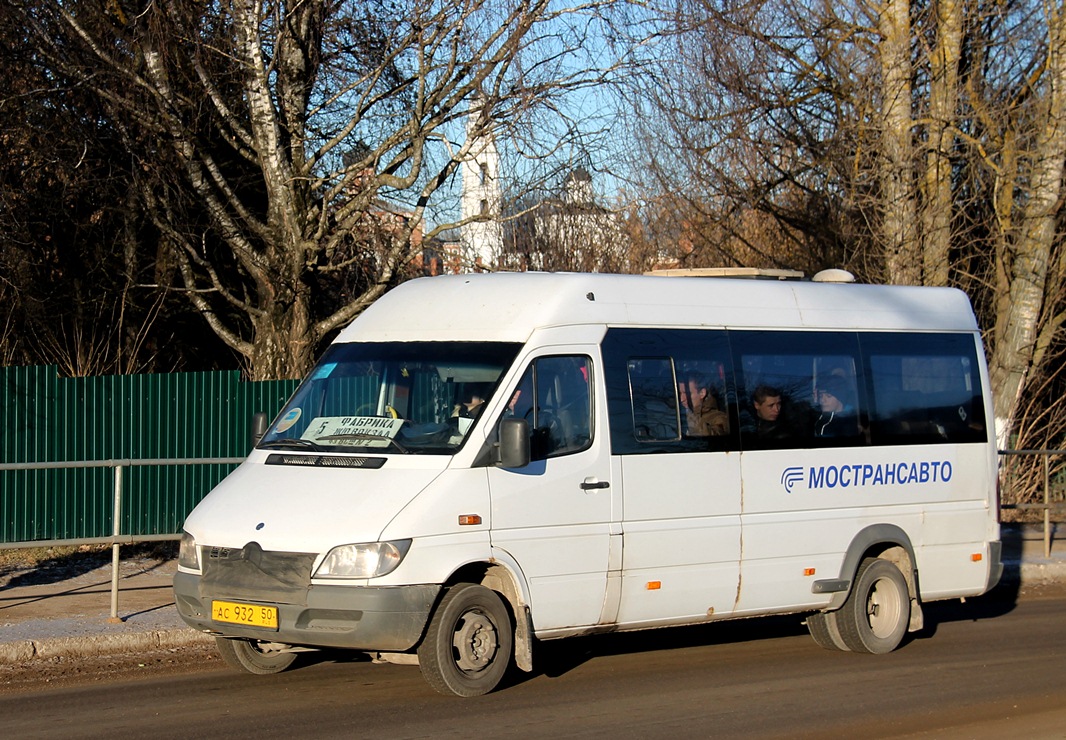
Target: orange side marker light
x=468 y=519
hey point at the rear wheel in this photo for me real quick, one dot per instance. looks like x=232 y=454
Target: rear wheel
x=253 y=656
x=875 y=616
x=825 y=631
x=468 y=643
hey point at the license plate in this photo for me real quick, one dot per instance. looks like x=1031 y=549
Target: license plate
x=251 y=615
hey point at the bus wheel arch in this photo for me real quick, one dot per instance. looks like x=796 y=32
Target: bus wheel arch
x=878 y=542
x=503 y=580
x=888 y=542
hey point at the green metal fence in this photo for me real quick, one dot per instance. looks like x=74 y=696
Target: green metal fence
x=45 y=418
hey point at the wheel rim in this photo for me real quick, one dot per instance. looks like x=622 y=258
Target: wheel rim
x=475 y=642
x=884 y=605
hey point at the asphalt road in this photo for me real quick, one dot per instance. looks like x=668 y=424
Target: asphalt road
x=987 y=668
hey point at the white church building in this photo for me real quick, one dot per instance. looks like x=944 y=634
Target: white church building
x=480 y=202
x=568 y=232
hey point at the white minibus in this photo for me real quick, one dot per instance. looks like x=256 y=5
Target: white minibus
x=482 y=462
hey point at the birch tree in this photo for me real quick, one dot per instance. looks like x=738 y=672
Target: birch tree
x=937 y=201
x=1030 y=278
x=287 y=150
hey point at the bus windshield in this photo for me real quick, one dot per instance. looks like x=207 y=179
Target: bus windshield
x=396 y=397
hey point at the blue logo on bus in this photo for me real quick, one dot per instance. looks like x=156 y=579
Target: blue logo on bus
x=865 y=475
x=790 y=477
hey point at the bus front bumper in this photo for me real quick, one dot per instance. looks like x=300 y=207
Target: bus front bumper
x=387 y=619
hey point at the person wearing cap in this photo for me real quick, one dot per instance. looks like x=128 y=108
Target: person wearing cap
x=838 y=418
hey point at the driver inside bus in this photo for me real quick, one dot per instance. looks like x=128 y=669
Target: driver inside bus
x=473 y=402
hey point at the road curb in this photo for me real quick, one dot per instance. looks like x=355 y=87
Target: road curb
x=1041 y=572
x=23 y=651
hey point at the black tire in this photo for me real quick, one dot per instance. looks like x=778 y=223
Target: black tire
x=825 y=631
x=875 y=616
x=468 y=644
x=251 y=656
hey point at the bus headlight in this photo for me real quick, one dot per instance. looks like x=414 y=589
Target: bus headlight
x=188 y=552
x=367 y=560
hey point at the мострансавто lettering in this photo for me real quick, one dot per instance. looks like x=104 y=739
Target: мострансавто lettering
x=887 y=474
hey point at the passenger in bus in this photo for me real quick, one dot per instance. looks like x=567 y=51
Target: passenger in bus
x=768 y=422
x=703 y=418
x=838 y=417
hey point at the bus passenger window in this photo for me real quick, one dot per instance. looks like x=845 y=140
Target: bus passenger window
x=801 y=389
x=926 y=389
x=655 y=413
x=669 y=391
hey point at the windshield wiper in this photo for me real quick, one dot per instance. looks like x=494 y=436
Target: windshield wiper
x=292 y=443
x=365 y=436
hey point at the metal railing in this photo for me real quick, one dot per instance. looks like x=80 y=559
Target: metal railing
x=117 y=538
x=1048 y=505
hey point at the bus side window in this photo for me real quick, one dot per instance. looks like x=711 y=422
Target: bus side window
x=554 y=396
x=653 y=385
x=669 y=391
x=802 y=389
x=926 y=389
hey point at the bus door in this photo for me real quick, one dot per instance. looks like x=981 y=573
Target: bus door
x=554 y=516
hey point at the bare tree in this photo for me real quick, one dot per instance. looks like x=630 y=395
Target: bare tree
x=73 y=241
x=1029 y=282
x=915 y=141
x=936 y=187
x=267 y=135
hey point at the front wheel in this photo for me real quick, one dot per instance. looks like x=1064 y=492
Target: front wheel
x=253 y=656
x=468 y=643
x=875 y=616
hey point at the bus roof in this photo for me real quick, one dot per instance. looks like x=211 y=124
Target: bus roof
x=510 y=306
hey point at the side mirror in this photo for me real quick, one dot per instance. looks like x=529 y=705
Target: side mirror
x=514 y=443
x=259 y=427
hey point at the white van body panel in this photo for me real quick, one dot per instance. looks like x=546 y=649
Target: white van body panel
x=303 y=509
x=440 y=544
x=559 y=532
x=511 y=306
x=806 y=523
x=682 y=537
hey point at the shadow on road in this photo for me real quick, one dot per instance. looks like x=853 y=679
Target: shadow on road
x=55 y=568
x=556 y=658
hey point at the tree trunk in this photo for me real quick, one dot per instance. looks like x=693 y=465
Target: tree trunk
x=282 y=345
x=1018 y=320
x=899 y=219
x=943 y=97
